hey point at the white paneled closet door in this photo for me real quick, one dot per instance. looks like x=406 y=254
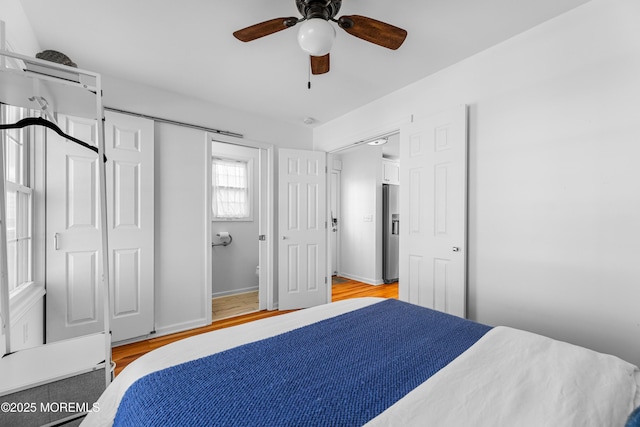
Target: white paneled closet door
x=130 y=192
x=74 y=301
x=433 y=206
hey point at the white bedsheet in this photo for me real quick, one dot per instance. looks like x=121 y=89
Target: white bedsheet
x=509 y=377
x=515 y=378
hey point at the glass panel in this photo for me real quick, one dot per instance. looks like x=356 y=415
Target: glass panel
x=23 y=227
x=12 y=115
x=13 y=161
x=23 y=274
x=24 y=234
x=230 y=189
x=11 y=264
x=12 y=216
x=14 y=145
x=18 y=200
x=19 y=238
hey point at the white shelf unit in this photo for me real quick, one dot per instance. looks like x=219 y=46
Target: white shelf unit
x=52 y=362
x=50 y=87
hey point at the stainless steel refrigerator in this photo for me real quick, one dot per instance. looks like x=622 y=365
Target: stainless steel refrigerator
x=390 y=232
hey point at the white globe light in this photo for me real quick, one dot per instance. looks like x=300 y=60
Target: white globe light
x=316 y=36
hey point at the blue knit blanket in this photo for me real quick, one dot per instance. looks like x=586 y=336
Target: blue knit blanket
x=341 y=371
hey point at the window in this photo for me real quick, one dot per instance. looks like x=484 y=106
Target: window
x=231 y=194
x=19 y=194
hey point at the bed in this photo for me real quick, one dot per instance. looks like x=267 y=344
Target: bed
x=374 y=362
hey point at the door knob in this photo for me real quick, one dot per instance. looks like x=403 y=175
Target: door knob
x=456 y=249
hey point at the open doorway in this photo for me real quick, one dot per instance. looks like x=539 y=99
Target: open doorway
x=358 y=234
x=236 y=214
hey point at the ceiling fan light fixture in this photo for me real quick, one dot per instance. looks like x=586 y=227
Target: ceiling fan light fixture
x=316 y=36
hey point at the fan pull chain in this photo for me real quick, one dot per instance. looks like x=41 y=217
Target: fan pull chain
x=309 y=76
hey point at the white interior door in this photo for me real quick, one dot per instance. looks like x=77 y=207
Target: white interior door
x=433 y=205
x=130 y=185
x=302 y=278
x=74 y=299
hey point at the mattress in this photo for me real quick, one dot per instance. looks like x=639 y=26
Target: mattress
x=498 y=376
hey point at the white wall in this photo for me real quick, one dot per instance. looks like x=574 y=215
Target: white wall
x=27 y=330
x=138 y=98
x=554 y=187
x=182 y=295
x=234 y=265
x=553 y=232
x=361 y=214
x=19 y=33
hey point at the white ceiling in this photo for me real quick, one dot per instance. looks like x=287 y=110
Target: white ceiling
x=187 y=47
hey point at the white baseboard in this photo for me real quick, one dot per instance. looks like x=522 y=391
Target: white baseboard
x=167 y=330
x=234 y=292
x=368 y=281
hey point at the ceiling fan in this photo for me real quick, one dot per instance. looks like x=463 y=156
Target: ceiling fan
x=316 y=34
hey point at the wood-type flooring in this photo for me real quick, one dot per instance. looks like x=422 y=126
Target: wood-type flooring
x=341 y=289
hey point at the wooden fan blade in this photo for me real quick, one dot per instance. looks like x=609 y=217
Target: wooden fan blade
x=371 y=30
x=264 y=28
x=320 y=64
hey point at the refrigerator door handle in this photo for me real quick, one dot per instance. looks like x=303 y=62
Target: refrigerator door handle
x=395 y=224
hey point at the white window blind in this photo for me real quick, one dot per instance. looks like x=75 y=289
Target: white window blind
x=231 y=192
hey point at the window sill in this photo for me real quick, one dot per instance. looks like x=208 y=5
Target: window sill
x=23 y=299
x=248 y=219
